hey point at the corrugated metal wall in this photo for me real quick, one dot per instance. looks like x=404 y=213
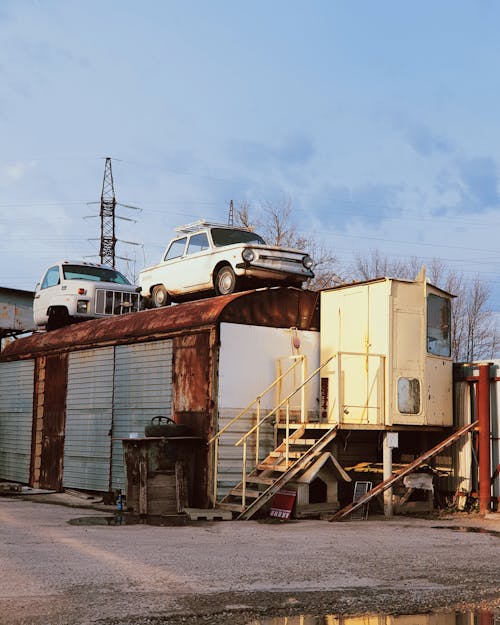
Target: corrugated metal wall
x=16 y=419
x=230 y=466
x=89 y=403
x=112 y=392
x=143 y=390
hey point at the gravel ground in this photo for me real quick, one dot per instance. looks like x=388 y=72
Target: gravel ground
x=237 y=572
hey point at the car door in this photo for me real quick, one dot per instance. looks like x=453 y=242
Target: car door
x=47 y=294
x=172 y=272
x=196 y=263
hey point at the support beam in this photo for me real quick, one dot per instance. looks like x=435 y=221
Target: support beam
x=387 y=458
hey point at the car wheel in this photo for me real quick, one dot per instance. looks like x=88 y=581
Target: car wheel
x=225 y=281
x=160 y=297
x=58 y=318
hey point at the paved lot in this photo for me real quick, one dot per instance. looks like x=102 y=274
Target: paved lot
x=54 y=572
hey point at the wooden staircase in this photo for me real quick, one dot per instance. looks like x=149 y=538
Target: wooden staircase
x=290 y=458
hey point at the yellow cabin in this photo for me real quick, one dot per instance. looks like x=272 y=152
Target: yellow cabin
x=392 y=344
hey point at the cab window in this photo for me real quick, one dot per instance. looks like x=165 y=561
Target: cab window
x=51 y=278
x=438 y=325
x=198 y=243
x=176 y=249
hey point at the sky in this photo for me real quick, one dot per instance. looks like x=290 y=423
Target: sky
x=379 y=120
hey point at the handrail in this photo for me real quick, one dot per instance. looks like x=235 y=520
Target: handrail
x=215 y=438
x=243 y=439
x=256 y=400
x=284 y=401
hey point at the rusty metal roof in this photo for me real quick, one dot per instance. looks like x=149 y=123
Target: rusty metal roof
x=275 y=307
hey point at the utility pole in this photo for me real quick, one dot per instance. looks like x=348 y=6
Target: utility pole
x=230 y=219
x=107 y=214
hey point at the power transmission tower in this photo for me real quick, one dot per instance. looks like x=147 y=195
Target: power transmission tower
x=230 y=219
x=107 y=214
x=108 y=217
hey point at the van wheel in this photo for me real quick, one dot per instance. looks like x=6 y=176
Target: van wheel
x=160 y=297
x=225 y=281
x=58 y=318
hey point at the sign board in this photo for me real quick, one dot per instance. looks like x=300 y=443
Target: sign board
x=392 y=439
x=282 y=504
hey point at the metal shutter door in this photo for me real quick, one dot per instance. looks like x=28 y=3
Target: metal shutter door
x=16 y=419
x=143 y=389
x=89 y=404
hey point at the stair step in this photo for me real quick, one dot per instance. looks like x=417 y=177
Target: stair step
x=249 y=492
x=281 y=454
x=257 y=479
x=234 y=507
x=282 y=468
x=302 y=441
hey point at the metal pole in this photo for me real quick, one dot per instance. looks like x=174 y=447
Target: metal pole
x=484 y=438
x=216 y=462
x=387 y=458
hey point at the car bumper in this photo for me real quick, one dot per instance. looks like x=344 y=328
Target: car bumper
x=283 y=274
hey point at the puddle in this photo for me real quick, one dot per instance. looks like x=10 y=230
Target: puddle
x=173 y=520
x=444 y=618
x=461 y=528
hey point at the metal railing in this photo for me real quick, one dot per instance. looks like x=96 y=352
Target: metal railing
x=256 y=429
x=257 y=405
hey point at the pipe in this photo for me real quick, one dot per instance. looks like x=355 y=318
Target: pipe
x=387 y=466
x=484 y=438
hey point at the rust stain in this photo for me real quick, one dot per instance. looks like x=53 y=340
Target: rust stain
x=54 y=419
x=191 y=368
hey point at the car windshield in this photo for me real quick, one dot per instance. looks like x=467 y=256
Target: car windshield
x=226 y=236
x=98 y=274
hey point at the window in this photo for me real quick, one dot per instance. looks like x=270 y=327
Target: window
x=51 y=278
x=176 y=249
x=408 y=395
x=223 y=236
x=438 y=325
x=198 y=243
x=97 y=274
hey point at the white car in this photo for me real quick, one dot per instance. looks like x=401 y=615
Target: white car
x=207 y=258
x=75 y=291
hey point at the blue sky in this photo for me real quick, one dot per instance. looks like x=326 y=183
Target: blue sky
x=378 y=119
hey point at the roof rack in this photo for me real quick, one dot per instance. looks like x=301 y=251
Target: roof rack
x=201 y=223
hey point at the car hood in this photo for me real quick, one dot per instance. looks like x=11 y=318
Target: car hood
x=110 y=286
x=271 y=248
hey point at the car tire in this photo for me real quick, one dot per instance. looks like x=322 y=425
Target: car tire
x=225 y=281
x=160 y=297
x=58 y=318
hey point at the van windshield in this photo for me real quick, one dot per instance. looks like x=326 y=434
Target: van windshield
x=98 y=274
x=227 y=236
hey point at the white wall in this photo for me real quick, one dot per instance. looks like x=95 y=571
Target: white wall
x=247 y=366
x=247 y=363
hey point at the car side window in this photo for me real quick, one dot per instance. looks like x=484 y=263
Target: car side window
x=51 y=278
x=176 y=249
x=198 y=243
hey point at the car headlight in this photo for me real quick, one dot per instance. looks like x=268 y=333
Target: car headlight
x=248 y=255
x=307 y=261
x=82 y=306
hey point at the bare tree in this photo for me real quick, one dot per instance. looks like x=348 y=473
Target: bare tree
x=277 y=227
x=475 y=333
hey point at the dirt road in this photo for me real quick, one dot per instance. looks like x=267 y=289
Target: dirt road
x=227 y=572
